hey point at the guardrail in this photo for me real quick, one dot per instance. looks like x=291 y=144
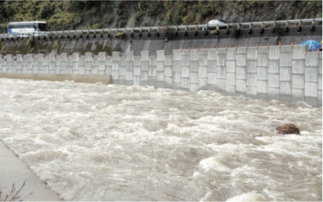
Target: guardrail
x=238 y=26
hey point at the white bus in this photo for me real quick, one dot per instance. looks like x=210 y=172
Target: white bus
x=38 y=28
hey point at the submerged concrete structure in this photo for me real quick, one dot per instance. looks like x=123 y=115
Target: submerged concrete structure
x=284 y=72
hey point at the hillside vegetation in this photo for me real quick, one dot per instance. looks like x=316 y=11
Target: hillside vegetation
x=85 y=14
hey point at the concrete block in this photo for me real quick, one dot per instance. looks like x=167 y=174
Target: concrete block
x=285 y=74
x=222 y=51
x=194 y=66
x=168 y=71
x=202 y=72
x=221 y=60
x=115 y=75
x=251 y=90
x=177 y=86
x=202 y=60
x=194 y=54
x=273 y=93
x=115 y=56
x=221 y=72
x=274 y=53
x=168 y=81
x=298 y=66
x=286 y=49
x=320 y=66
x=241 y=85
x=129 y=56
x=122 y=80
x=273 y=80
x=87 y=65
x=176 y=77
x=231 y=54
x=122 y=61
x=153 y=61
x=231 y=66
x=312 y=59
x=211 y=66
x=298 y=95
x=310 y=89
x=298 y=81
x=262 y=87
x=168 y=60
x=177 y=67
x=241 y=50
x=252 y=53
x=252 y=66
x=108 y=70
x=231 y=90
x=262 y=73
x=177 y=55
x=203 y=84
x=185 y=72
x=144 y=65
x=185 y=60
x=273 y=66
x=320 y=82
x=160 y=76
x=285 y=60
x=160 y=66
x=241 y=60
x=212 y=87
x=108 y=61
x=185 y=83
x=185 y=52
x=231 y=79
x=298 y=52
x=152 y=81
x=319 y=100
x=194 y=77
x=285 y=88
x=129 y=66
x=311 y=74
x=144 y=56
x=115 y=65
x=262 y=60
x=136 y=70
x=212 y=54
x=152 y=71
x=251 y=79
x=211 y=78
x=221 y=84
x=122 y=70
x=136 y=80
x=160 y=55
x=136 y=61
x=100 y=67
x=263 y=49
x=194 y=87
x=241 y=73
x=129 y=76
x=144 y=76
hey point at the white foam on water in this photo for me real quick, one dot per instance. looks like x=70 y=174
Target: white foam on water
x=110 y=142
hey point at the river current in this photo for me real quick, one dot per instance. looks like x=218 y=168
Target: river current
x=113 y=142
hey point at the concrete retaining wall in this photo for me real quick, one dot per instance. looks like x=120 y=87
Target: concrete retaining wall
x=287 y=73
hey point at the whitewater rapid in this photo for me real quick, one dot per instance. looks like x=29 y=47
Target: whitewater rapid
x=113 y=142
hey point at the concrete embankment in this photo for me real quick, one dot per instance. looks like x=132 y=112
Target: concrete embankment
x=14 y=172
x=287 y=72
x=152 y=43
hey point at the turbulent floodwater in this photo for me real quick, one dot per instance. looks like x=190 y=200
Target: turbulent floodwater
x=110 y=142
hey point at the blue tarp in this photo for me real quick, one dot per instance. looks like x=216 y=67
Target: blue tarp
x=310 y=43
